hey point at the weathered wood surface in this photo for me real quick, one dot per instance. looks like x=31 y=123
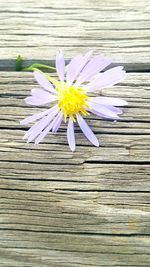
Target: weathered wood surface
x=35 y=29
x=88 y=208
x=91 y=207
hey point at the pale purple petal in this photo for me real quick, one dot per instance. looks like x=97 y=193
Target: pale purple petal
x=47 y=129
x=38 y=126
x=100 y=115
x=38 y=129
x=87 y=131
x=110 y=107
x=106 y=79
x=40 y=97
x=40 y=93
x=95 y=65
x=60 y=66
x=72 y=68
x=110 y=101
x=44 y=133
x=103 y=111
x=58 y=122
x=75 y=67
x=114 y=109
x=34 y=117
x=71 y=135
x=43 y=81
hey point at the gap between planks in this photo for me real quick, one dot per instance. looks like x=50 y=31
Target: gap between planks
x=10 y=64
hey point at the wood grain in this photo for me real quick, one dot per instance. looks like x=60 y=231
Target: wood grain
x=116 y=28
x=88 y=208
x=91 y=207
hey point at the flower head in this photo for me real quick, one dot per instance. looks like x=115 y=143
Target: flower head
x=71 y=99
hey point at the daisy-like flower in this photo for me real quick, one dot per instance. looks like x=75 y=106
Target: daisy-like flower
x=70 y=97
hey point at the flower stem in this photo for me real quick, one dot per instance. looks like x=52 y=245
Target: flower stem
x=34 y=66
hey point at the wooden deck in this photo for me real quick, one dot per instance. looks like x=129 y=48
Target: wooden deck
x=91 y=207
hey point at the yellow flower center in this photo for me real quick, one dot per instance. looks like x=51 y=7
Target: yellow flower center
x=71 y=100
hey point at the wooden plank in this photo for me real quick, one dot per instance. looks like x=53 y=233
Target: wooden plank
x=94 y=250
x=119 y=29
x=88 y=208
x=91 y=207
